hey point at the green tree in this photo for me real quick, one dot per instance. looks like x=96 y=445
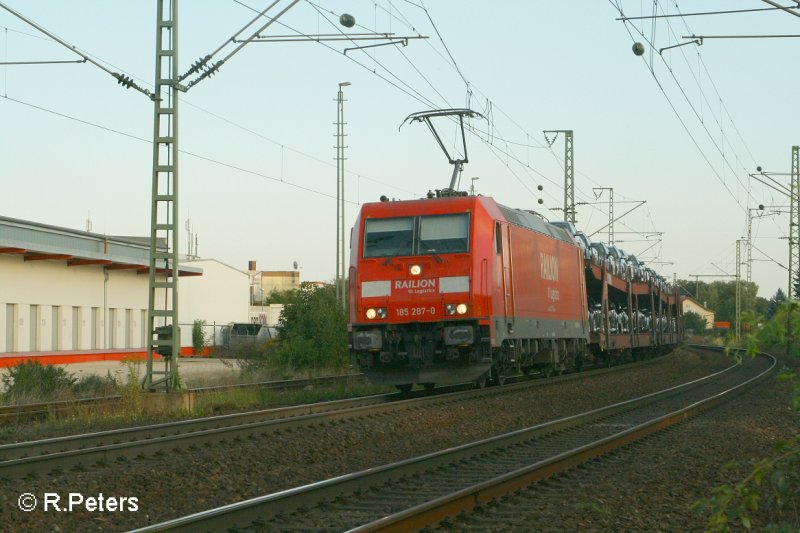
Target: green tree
x=773 y=303
x=720 y=297
x=198 y=336
x=280 y=297
x=796 y=285
x=312 y=331
x=694 y=322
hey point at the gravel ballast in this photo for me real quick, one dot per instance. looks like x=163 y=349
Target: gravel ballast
x=190 y=480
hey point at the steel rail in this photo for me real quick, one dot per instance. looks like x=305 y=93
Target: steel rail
x=84 y=449
x=465 y=500
x=287 y=501
x=32 y=411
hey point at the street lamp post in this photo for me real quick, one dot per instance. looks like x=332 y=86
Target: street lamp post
x=340 y=242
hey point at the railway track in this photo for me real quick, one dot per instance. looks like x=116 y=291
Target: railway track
x=15 y=414
x=421 y=491
x=85 y=450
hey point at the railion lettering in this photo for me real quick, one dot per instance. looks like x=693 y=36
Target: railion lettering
x=548 y=265
x=409 y=284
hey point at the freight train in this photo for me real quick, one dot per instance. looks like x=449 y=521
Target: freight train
x=455 y=288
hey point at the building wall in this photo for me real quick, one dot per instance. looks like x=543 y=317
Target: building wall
x=220 y=296
x=46 y=306
x=691 y=305
x=49 y=306
x=280 y=280
x=269 y=315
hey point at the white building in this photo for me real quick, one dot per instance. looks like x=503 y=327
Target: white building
x=64 y=289
x=219 y=297
x=690 y=304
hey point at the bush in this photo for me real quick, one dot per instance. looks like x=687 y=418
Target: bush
x=198 y=336
x=32 y=381
x=91 y=385
x=312 y=335
x=312 y=330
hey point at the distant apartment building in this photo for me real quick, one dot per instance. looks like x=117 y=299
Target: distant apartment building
x=264 y=282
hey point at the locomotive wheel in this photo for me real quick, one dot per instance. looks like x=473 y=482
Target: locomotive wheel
x=429 y=386
x=498 y=375
x=481 y=381
x=405 y=388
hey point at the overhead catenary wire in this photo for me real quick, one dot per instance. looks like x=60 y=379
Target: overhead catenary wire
x=688 y=100
x=723 y=108
x=685 y=126
x=209 y=71
x=506 y=152
x=507 y=149
x=123 y=80
x=703 y=13
x=94 y=59
x=183 y=151
x=408 y=89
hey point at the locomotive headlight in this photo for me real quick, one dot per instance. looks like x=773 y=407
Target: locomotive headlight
x=373 y=313
x=461 y=309
x=415 y=270
x=450 y=309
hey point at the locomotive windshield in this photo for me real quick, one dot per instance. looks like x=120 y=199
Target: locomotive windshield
x=389 y=236
x=435 y=234
x=444 y=234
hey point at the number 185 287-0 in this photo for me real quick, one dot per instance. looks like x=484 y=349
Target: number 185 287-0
x=416 y=311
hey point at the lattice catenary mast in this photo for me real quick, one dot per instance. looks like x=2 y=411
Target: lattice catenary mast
x=164 y=334
x=794 y=220
x=570 y=214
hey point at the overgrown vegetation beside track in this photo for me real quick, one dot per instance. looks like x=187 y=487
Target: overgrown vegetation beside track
x=30 y=382
x=768 y=496
x=135 y=407
x=312 y=335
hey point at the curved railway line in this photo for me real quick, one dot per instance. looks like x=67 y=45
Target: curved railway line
x=85 y=450
x=416 y=492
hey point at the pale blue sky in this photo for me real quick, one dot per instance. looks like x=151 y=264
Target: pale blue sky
x=542 y=65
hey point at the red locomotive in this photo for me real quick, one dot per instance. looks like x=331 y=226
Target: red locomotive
x=460 y=288
x=457 y=288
